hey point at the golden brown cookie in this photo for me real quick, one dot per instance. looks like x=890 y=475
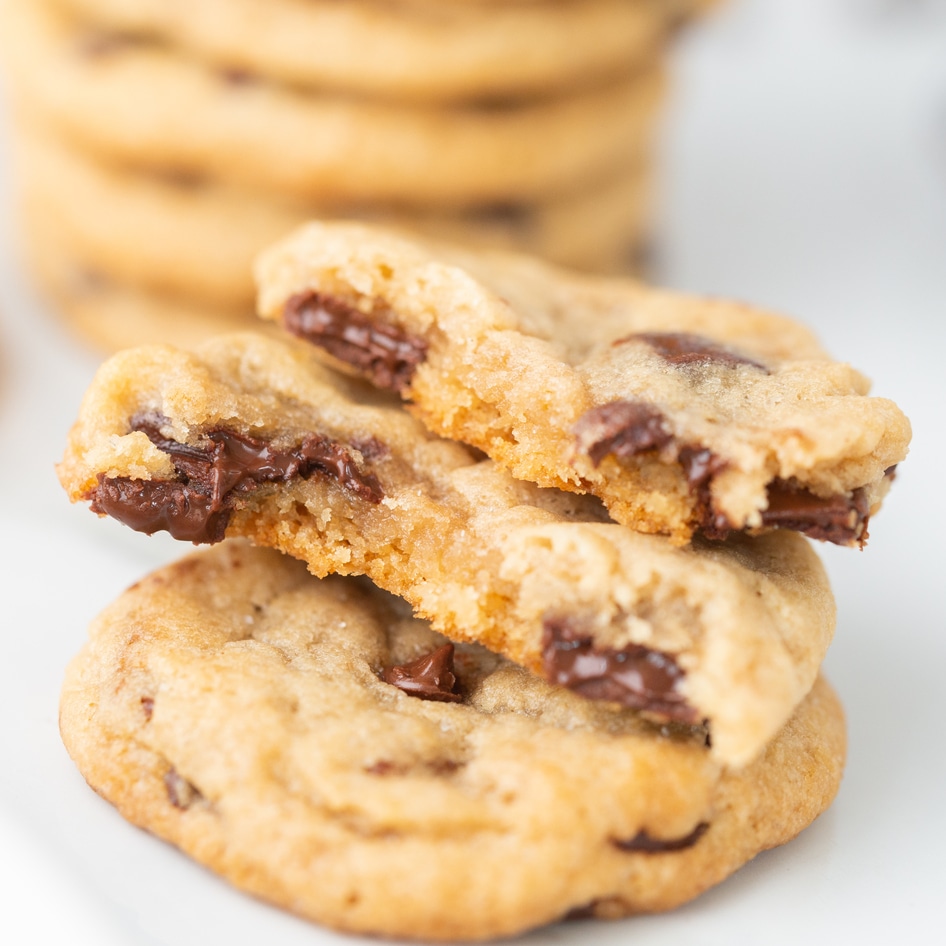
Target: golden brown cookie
x=250 y=436
x=684 y=415
x=318 y=748
x=424 y=51
x=138 y=102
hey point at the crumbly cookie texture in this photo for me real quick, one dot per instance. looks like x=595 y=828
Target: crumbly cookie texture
x=423 y=51
x=684 y=415
x=251 y=436
x=100 y=93
x=198 y=238
x=238 y=708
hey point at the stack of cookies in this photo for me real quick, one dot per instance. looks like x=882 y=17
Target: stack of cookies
x=562 y=654
x=161 y=145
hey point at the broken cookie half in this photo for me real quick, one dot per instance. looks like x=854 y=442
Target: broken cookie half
x=686 y=416
x=250 y=436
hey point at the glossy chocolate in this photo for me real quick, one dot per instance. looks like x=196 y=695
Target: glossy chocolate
x=634 y=676
x=151 y=506
x=430 y=677
x=627 y=428
x=214 y=474
x=621 y=428
x=839 y=519
x=384 y=354
x=683 y=348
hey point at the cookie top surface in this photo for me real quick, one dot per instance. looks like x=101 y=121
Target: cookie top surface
x=101 y=95
x=251 y=436
x=682 y=414
x=236 y=706
x=423 y=51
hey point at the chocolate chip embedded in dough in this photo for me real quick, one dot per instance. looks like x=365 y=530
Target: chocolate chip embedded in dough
x=684 y=348
x=633 y=676
x=701 y=466
x=430 y=677
x=151 y=506
x=181 y=793
x=841 y=519
x=211 y=477
x=621 y=428
x=643 y=842
x=384 y=354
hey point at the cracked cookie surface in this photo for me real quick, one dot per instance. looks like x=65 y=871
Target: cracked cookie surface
x=235 y=706
x=251 y=436
x=684 y=415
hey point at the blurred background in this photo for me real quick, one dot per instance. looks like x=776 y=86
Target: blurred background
x=796 y=160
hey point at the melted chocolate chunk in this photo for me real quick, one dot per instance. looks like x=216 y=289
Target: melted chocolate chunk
x=642 y=841
x=627 y=428
x=181 y=793
x=151 y=506
x=430 y=677
x=212 y=476
x=634 y=676
x=683 y=348
x=147 y=706
x=700 y=466
x=384 y=354
x=622 y=428
x=839 y=519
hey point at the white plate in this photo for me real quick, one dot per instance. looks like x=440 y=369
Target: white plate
x=806 y=170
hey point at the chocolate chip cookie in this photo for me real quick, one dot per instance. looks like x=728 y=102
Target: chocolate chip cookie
x=317 y=747
x=424 y=50
x=130 y=100
x=684 y=415
x=198 y=238
x=251 y=436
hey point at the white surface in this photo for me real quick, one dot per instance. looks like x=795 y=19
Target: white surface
x=806 y=171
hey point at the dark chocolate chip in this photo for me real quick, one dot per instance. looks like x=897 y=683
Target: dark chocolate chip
x=633 y=676
x=214 y=474
x=147 y=706
x=384 y=354
x=430 y=677
x=840 y=519
x=181 y=793
x=621 y=428
x=683 y=348
x=151 y=506
x=643 y=842
x=700 y=466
